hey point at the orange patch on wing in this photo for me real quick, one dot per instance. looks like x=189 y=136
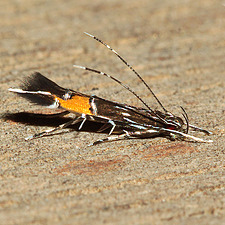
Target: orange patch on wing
x=79 y=104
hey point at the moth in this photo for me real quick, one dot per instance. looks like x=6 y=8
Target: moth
x=131 y=122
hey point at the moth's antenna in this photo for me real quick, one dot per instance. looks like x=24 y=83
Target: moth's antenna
x=185 y=115
x=129 y=66
x=125 y=86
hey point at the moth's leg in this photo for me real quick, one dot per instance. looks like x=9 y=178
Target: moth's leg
x=199 y=129
x=174 y=134
x=110 y=138
x=113 y=126
x=128 y=135
x=107 y=123
x=104 y=127
x=62 y=126
x=84 y=118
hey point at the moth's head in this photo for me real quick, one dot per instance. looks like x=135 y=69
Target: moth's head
x=172 y=122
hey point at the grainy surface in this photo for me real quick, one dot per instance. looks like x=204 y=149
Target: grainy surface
x=179 y=48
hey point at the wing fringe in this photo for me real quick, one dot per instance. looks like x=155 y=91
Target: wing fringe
x=39 y=89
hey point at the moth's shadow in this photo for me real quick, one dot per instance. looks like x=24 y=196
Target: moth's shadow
x=37 y=119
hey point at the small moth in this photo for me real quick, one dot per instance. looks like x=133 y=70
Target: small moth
x=131 y=121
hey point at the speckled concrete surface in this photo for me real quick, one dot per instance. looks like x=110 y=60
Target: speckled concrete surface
x=179 y=48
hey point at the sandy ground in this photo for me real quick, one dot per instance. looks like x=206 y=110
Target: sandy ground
x=179 y=48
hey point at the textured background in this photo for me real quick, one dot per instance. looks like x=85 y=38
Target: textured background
x=179 y=48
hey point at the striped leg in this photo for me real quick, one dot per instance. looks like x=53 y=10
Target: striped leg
x=60 y=127
x=151 y=133
x=200 y=129
x=128 y=135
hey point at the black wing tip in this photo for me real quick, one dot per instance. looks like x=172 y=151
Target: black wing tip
x=36 y=82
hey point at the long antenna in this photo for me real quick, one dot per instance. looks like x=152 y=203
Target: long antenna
x=129 y=66
x=185 y=115
x=125 y=86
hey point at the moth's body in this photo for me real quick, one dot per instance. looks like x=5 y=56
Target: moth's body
x=131 y=121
